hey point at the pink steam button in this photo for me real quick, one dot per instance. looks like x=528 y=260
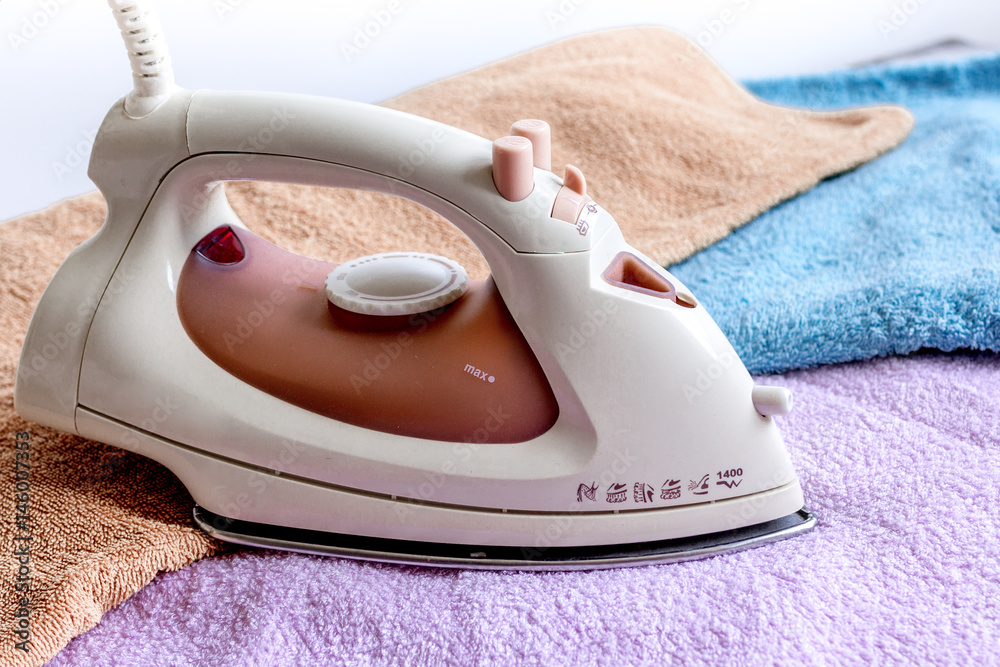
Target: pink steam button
x=513 y=167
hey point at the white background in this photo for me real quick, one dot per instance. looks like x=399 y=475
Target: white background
x=62 y=63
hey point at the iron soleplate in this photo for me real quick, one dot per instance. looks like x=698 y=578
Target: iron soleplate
x=405 y=552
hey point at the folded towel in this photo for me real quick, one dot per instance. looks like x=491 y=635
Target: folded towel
x=101 y=521
x=899 y=458
x=899 y=254
x=671 y=145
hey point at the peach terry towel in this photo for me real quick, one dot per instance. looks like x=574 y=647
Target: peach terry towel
x=677 y=151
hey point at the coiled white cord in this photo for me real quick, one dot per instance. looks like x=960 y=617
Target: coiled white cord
x=152 y=74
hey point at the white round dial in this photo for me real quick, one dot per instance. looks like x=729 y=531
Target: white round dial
x=398 y=283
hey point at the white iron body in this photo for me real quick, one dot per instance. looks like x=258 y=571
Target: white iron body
x=648 y=390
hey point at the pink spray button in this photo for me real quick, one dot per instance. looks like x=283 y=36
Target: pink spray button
x=513 y=168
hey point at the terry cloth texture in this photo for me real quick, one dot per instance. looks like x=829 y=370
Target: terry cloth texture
x=898 y=457
x=899 y=254
x=677 y=150
x=101 y=521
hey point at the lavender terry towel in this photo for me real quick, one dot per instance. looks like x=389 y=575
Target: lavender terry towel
x=899 y=458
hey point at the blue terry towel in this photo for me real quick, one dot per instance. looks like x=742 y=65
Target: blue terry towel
x=900 y=254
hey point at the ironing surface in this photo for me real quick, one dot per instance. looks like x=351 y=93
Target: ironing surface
x=900 y=460
x=900 y=254
x=112 y=549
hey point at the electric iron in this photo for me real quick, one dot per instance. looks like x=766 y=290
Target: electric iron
x=577 y=410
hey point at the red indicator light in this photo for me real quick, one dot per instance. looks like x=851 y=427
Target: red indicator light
x=221 y=246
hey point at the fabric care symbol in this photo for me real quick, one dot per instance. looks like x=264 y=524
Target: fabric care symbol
x=642 y=492
x=617 y=493
x=671 y=490
x=582 y=226
x=588 y=492
x=700 y=488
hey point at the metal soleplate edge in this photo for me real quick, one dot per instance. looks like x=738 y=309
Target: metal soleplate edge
x=405 y=552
